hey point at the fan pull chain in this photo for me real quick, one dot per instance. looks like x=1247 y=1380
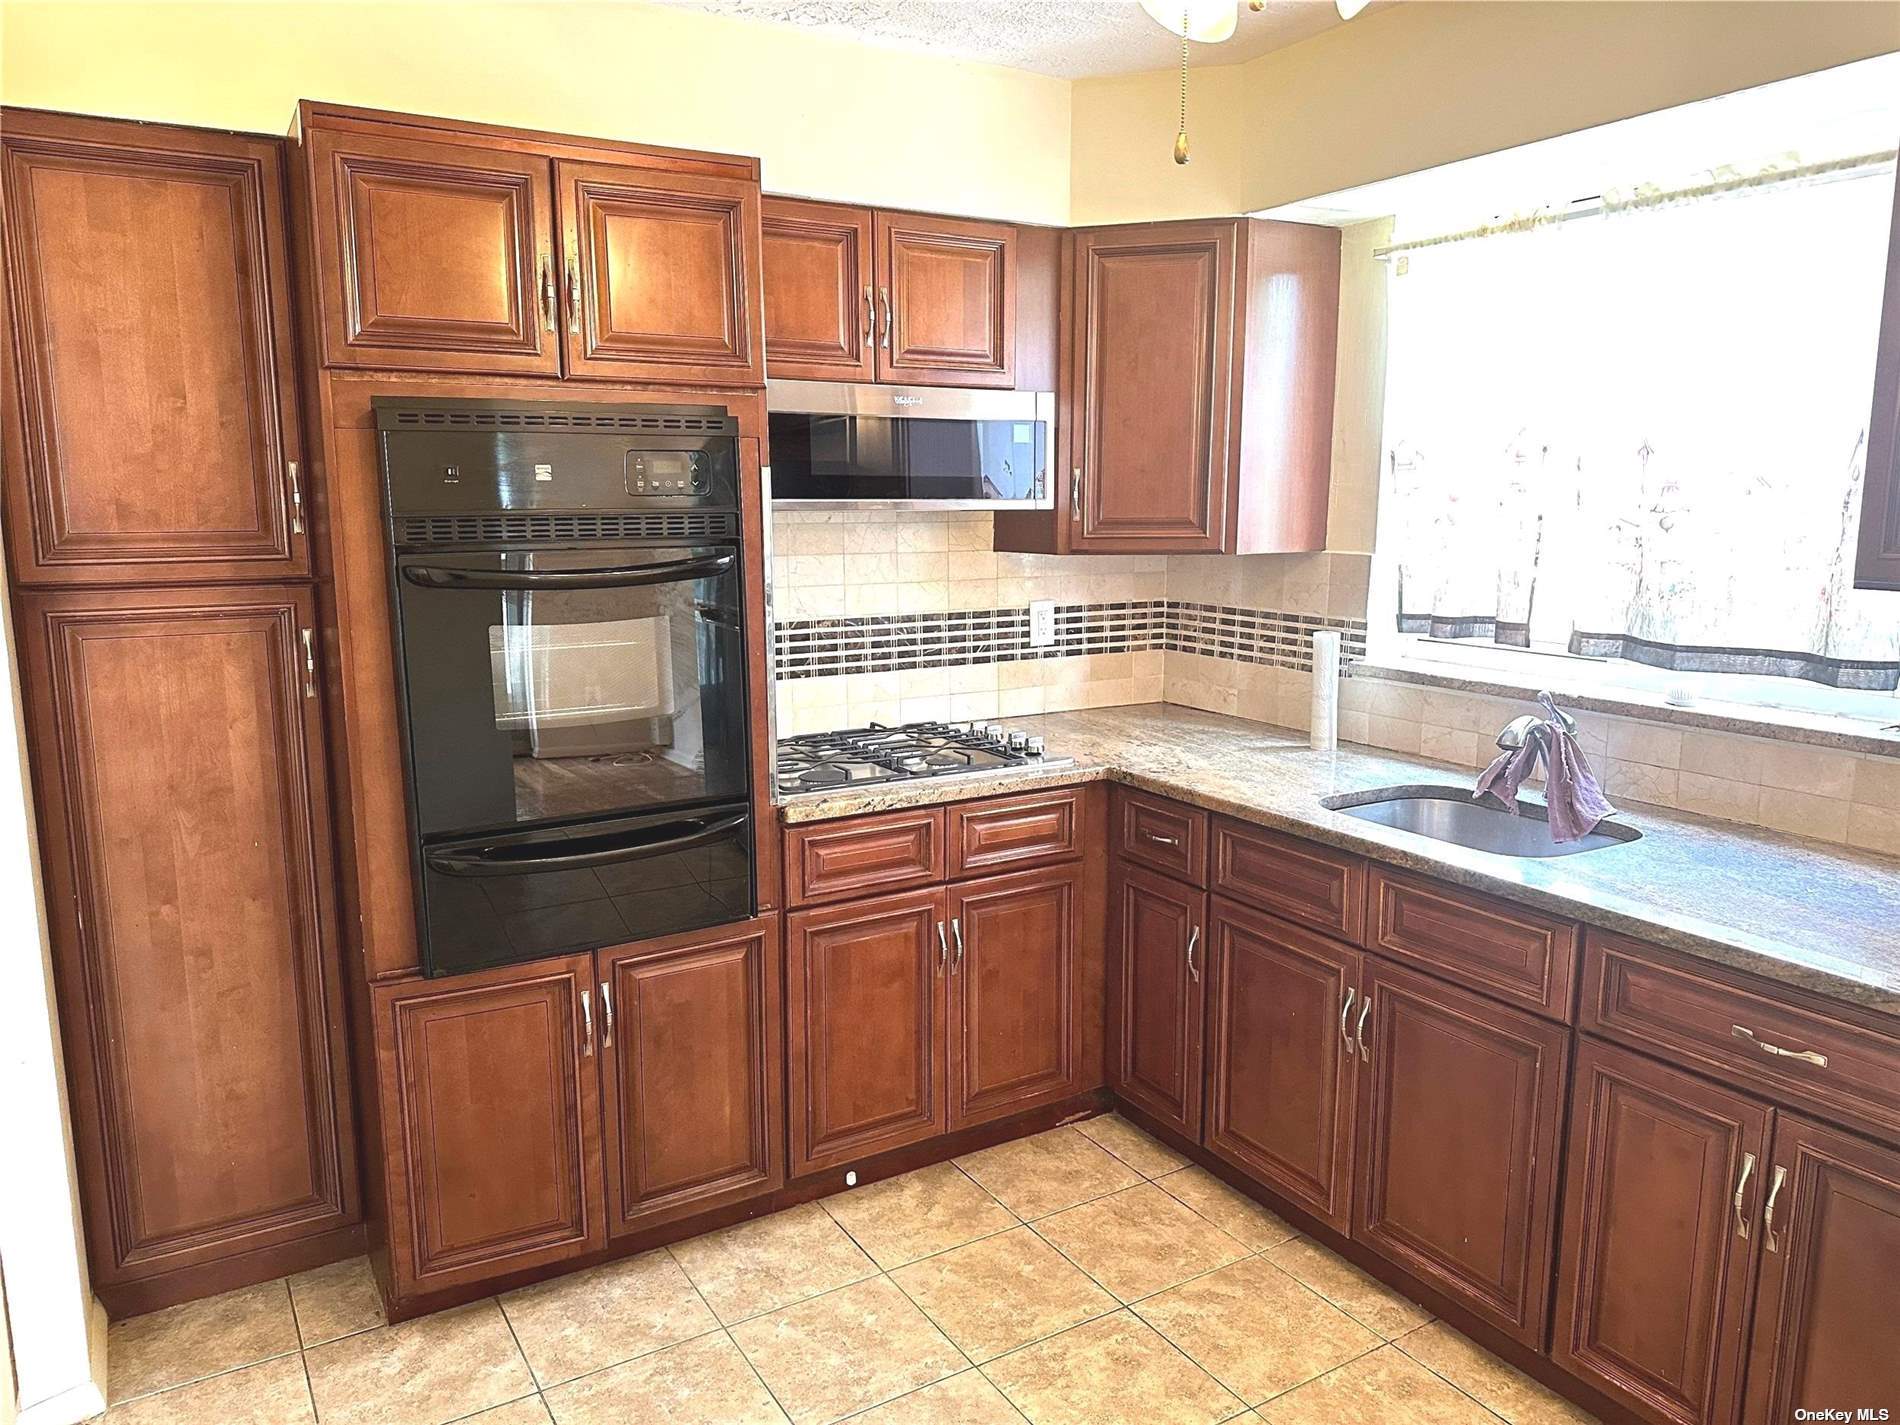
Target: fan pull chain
x=1181 y=138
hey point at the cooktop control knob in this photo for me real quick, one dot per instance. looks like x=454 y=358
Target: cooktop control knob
x=994 y=732
x=1018 y=741
x=1033 y=747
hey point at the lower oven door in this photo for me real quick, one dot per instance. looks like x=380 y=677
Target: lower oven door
x=499 y=899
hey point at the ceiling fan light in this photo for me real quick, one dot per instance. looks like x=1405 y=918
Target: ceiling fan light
x=1348 y=8
x=1208 y=21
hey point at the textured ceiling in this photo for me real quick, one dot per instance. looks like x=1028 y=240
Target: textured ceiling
x=1071 y=39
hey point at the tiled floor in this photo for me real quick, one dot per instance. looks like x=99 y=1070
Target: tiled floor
x=1086 y=1275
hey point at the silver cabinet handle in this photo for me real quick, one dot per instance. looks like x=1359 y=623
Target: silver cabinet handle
x=1768 y=1212
x=550 y=299
x=1806 y=1056
x=309 y=662
x=1741 y=1186
x=1075 y=493
x=1194 y=938
x=1359 y=1031
x=1161 y=840
x=1345 y=1010
x=870 y=320
x=587 y=1024
x=296 y=497
x=956 y=929
x=573 y=293
x=607 y=1014
x=943 y=950
x=884 y=301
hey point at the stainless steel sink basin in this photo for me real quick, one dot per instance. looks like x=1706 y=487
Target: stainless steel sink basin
x=1449 y=814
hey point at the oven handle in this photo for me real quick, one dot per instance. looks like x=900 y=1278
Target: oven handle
x=486 y=863
x=435 y=576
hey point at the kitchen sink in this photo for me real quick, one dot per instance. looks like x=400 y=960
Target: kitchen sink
x=1449 y=814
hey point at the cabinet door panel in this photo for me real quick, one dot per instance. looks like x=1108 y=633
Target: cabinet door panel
x=493 y=1130
x=185 y=838
x=1824 y=1318
x=151 y=387
x=820 y=314
x=1281 y=1061
x=1660 y=1212
x=1013 y=1038
x=1155 y=991
x=663 y=276
x=693 y=1047
x=865 y=986
x=1154 y=360
x=947 y=293
x=432 y=256
x=1460 y=1106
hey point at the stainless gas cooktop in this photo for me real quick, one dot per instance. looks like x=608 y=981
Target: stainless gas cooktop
x=823 y=761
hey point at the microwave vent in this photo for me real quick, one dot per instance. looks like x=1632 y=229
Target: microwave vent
x=553 y=526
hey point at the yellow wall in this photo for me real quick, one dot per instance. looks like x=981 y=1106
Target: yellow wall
x=1418 y=85
x=828 y=118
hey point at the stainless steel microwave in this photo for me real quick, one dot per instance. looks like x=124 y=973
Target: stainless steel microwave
x=843 y=444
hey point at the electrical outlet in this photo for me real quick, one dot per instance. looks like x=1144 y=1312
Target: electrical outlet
x=1042 y=622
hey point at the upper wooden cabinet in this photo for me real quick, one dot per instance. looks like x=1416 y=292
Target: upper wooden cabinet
x=1878 y=566
x=1198 y=391
x=150 y=388
x=451 y=247
x=853 y=295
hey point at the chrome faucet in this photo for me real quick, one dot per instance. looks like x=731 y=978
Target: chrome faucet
x=1520 y=730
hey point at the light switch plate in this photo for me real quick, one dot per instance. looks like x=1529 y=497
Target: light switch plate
x=1042 y=622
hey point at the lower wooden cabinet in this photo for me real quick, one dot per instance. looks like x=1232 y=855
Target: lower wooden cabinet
x=1460 y=1113
x=1282 y=1065
x=1824 y=1334
x=1156 y=998
x=491 y=1122
x=1661 y=1211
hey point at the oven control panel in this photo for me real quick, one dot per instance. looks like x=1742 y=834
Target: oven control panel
x=668 y=472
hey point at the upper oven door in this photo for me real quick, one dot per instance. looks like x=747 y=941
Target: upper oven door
x=553 y=685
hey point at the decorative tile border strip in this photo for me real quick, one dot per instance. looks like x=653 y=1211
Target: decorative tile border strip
x=820 y=648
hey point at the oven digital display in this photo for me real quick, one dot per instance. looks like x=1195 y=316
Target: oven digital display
x=666 y=472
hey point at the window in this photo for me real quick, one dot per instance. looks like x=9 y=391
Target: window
x=1627 y=449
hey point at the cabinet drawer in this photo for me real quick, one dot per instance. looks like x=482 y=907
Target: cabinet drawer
x=1484 y=944
x=1813 y=1056
x=1297 y=879
x=830 y=861
x=1012 y=833
x=1165 y=835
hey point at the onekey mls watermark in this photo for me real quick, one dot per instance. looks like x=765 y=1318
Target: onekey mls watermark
x=1856 y=1413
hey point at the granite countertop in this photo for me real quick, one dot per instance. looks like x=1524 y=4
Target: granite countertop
x=1823 y=917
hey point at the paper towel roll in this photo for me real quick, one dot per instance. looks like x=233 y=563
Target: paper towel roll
x=1325 y=720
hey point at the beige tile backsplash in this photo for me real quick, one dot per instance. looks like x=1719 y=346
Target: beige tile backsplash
x=852 y=563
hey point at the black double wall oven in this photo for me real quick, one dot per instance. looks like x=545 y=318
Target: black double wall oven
x=571 y=646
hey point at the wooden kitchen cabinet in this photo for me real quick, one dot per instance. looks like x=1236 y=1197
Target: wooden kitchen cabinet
x=947 y=301
x=1014 y=1036
x=1662 y=1212
x=820 y=294
x=1156 y=998
x=1877 y=565
x=1282 y=1064
x=1459 y=1118
x=492 y=1122
x=1830 y=1255
x=865 y=987
x=691 y=1049
x=184 y=831
x=151 y=393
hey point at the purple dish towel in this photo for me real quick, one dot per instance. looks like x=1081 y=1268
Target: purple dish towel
x=1575 y=801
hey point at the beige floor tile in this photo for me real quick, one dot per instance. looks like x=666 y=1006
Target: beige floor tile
x=273 y=1393
x=761 y=1266
x=1115 y=1371
x=1002 y=1292
x=1131 y=1145
x=967 y=1399
x=1255 y=1329
x=907 y=1217
x=575 y=1324
x=1371 y=1303
x=846 y=1351
x=1477 y=1372
x=1033 y=1177
x=532 y=1410
x=1229 y=1209
x=704 y=1381
x=198 y=1339
x=336 y=1300
x=1139 y=1241
x=422 y=1372
x=1386 y=1387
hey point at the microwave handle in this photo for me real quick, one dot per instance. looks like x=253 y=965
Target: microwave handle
x=485 y=863
x=435 y=576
